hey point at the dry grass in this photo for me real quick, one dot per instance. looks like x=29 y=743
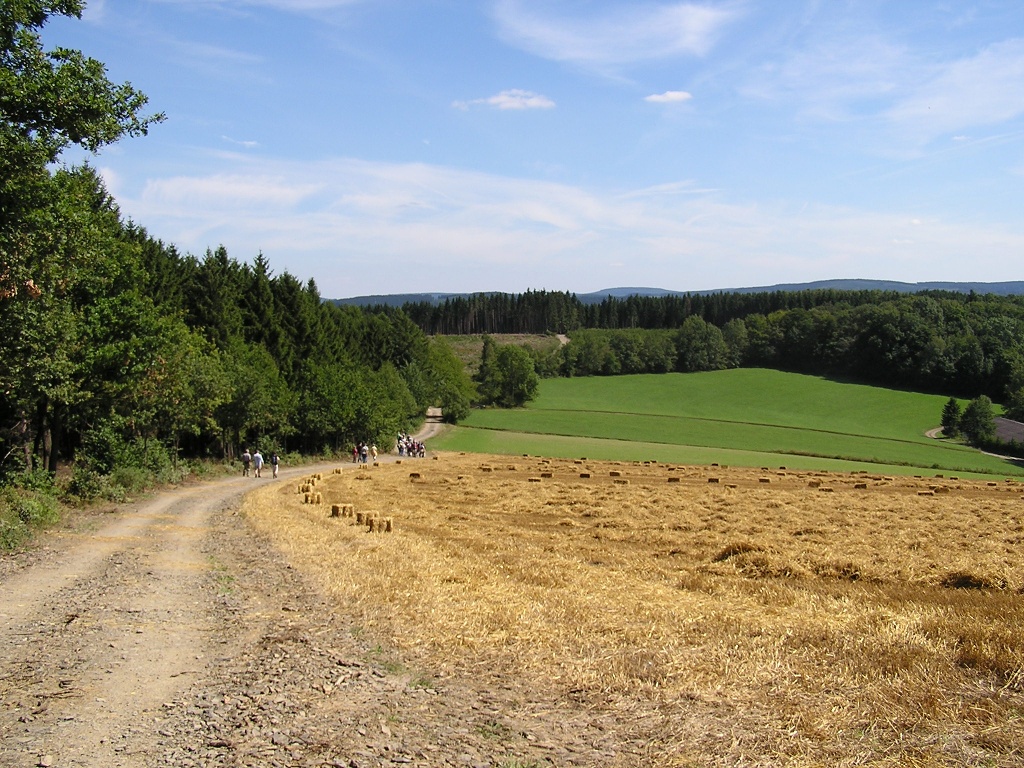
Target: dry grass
x=738 y=622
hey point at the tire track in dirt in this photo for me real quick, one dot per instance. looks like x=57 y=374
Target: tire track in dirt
x=97 y=638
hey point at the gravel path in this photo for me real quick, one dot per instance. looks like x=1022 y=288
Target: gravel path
x=166 y=633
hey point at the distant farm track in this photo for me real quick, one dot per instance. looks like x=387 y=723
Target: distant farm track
x=708 y=420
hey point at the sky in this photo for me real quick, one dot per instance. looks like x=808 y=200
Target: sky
x=411 y=146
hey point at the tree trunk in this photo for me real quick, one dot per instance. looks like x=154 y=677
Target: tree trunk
x=56 y=432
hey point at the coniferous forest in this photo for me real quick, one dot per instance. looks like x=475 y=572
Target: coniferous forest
x=122 y=358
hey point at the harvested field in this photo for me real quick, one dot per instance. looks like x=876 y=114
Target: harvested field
x=704 y=615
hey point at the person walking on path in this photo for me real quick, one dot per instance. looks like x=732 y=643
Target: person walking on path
x=257 y=463
x=274 y=461
x=246 y=458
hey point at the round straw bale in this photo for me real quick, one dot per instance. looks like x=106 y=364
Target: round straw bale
x=414 y=476
x=533 y=479
x=615 y=473
x=674 y=479
x=764 y=479
x=547 y=474
x=860 y=486
x=713 y=480
x=584 y=475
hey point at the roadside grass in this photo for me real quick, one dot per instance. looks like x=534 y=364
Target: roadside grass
x=749 y=417
x=717 y=616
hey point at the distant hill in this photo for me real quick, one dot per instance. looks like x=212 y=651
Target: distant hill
x=1011 y=288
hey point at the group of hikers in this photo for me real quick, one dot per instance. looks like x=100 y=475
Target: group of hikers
x=255 y=460
x=411 y=448
x=362 y=453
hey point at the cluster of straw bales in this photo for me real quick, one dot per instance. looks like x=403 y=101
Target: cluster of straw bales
x=375 y=522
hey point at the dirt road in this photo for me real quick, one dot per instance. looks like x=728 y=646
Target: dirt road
x=167 y=633
x=105 y=624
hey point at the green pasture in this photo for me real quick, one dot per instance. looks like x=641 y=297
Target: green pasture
x=740 y=417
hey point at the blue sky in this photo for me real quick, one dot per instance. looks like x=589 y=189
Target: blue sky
x=394 y=146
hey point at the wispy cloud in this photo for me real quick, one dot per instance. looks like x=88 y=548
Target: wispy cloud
x=474 y=231
x=982 y=90
x=245 y=144
x=281 y=5
x=869 y=78
x=95 y=11
x=514 y=98
x=669 y=97
x=834 y=77
x=630 y=33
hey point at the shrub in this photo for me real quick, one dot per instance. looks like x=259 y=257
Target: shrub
x=22 y=510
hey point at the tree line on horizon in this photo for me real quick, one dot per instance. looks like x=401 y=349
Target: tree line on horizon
x=933 y=341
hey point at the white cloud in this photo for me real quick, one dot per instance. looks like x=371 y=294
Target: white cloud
x=669 y=97
x=631 y=33
x=190 y=195
x=437 y=228
x=511 y=99
x=245 y=144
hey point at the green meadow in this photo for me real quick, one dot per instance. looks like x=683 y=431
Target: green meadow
x=744 y=417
